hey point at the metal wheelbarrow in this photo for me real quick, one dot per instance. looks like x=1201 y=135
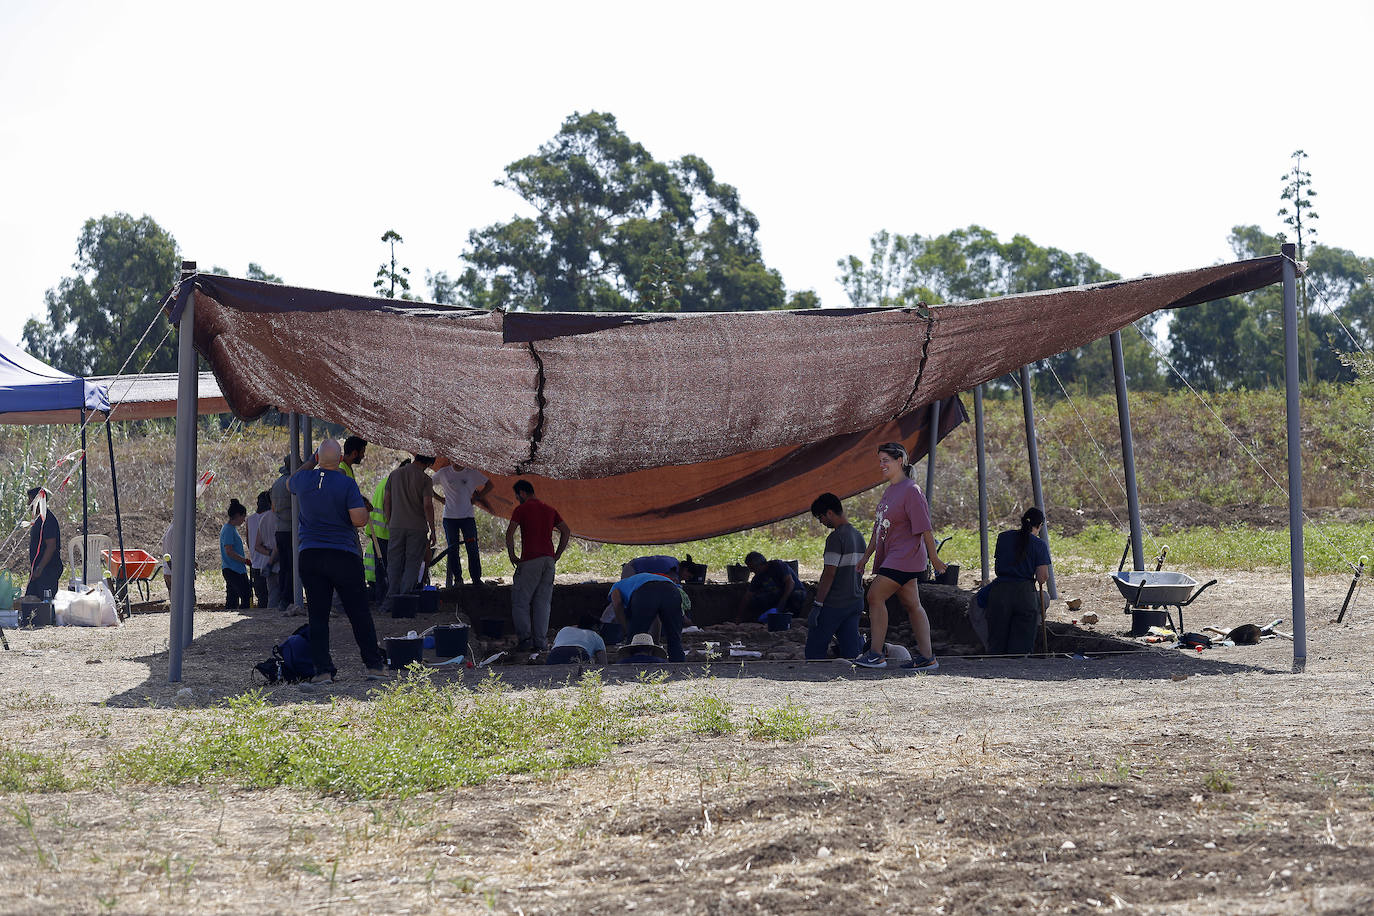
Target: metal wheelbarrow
x=1149 y=594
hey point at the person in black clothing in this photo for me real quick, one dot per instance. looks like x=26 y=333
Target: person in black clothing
x=1012 y=600
x=774 y=586
x=45 y=547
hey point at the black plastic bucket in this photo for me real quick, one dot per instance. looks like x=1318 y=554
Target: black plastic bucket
x=429 y=600
x=779 y=620
x=405 y=605
x=1141 y=621
x=734 y=573
x=450 y=641
x=402 y=650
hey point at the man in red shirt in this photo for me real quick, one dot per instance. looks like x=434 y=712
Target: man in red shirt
x=532 y=589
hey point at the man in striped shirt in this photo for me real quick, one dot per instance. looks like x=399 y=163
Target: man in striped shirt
x=840 y=592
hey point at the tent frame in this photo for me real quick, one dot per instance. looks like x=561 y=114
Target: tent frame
x=185 y=501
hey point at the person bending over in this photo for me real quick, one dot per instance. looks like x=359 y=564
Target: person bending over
x=578 y=643
x=642 y=598
x=774 y=585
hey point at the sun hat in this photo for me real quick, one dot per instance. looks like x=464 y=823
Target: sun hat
x=643 y=644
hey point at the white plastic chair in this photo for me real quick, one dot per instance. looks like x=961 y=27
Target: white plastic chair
x=93 y=569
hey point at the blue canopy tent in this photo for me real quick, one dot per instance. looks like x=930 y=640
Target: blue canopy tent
x=33 y=392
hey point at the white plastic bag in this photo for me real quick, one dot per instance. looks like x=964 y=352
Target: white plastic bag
x=95 y=607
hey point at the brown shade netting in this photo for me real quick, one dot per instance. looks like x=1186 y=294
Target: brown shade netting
x=653 y=428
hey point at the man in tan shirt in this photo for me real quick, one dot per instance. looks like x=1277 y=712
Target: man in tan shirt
x=408 y=505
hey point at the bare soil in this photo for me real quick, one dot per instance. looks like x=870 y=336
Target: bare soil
x=1151 y=782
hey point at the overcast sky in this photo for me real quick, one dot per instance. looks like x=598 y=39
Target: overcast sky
x=295 y=134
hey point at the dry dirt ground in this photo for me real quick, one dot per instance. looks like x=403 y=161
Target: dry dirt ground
x=1158 y=782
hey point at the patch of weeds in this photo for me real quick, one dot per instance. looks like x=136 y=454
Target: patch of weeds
x=648 y=696
x=790 y=721
x=1218 y=781
x=23 y=701
x=708 y=713
x=412 y=737
x=21 y=771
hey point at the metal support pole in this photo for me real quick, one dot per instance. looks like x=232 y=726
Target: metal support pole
x=183 y=494
x=1295 y=528
x=1123 y=416
x=85 y=507
x=933 y=435
x=296 y=591
x=122 y=583
x=982 y=482
x=1033 y=452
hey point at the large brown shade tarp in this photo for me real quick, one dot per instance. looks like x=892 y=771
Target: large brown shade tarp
x=653 y=428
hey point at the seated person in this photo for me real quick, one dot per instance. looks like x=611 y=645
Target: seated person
x=638 y=600
x=774 y=585
x=642 y=651
x=578 y=643
x=659 y=564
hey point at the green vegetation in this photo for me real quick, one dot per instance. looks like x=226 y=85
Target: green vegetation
x=415 y=736
x=412 y=737
x=789 y=722
x=708 y=713
x=1218 y=781
x=21 y=771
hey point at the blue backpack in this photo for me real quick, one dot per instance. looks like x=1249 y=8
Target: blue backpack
x=290 y=661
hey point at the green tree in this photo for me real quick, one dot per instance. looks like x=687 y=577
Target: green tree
x=1299 y=214
x=95 y=318
x=616 y=230
x=390 y=276
x=973 y=263
x=254 y=272
x=1238 y=342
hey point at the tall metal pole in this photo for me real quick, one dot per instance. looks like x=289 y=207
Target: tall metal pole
x=1123 y=416
x=121 y=584
x=933 y=435
x=982 y=482
x=85 y=506
x=296 y=592
x=1295 y=528
x=1033 y=452
x=184 y=509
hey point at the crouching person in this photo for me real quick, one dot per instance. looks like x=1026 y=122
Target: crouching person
x=840 y=593
x=578 y=643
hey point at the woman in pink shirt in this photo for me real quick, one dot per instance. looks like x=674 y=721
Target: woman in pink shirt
x=901 y=545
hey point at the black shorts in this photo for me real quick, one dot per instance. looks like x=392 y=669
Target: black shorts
x=901 y=577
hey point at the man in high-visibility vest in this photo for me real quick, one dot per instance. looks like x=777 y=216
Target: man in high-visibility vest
x=378 y=536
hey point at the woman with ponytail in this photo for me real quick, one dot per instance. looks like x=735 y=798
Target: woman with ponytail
x=233 y=560
x=1012 y=600
x=902 y=545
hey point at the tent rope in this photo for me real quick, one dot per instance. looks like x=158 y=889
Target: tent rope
x=1253 y=457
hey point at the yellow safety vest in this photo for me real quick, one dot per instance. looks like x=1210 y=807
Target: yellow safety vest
x=376 y=528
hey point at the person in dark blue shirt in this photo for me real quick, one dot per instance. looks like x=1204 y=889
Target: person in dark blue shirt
x=331 y=512
x=1012 y=599
x=45 y=547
